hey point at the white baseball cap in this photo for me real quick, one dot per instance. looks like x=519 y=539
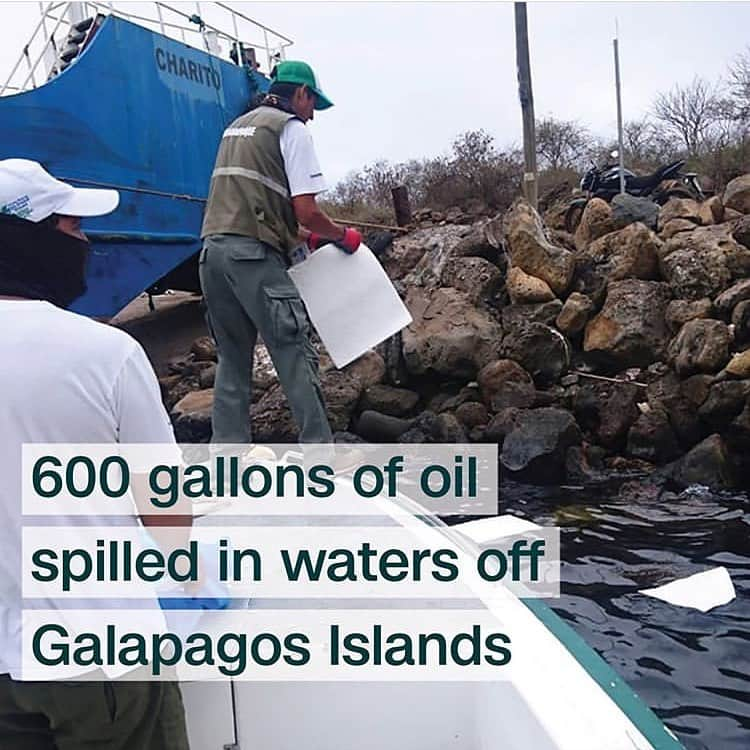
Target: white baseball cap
x=29 y=192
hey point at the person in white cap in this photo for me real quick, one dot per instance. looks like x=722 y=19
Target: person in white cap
x=66 y=379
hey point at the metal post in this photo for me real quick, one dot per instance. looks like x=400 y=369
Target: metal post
x=161 y=19
x=526 y=96
x=401 y=206
x=619 y=117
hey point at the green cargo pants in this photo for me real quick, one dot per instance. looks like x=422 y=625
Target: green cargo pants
x=248 y=291
x=114 y=715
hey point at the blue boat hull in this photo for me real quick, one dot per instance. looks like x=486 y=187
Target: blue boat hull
x=144 y=114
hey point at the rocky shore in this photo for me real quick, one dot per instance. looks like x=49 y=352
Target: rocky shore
x=622 y=348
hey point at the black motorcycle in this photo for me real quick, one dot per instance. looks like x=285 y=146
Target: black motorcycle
x=604 y=182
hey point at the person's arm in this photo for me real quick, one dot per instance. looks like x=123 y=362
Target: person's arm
x=315 y=220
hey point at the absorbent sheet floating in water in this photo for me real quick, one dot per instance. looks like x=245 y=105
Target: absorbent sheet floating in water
x=702 y=591
x=350 y=299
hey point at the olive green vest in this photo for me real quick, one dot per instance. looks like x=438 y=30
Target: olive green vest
x=249 y=192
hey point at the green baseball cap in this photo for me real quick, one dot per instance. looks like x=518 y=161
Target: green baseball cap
x=296 y=71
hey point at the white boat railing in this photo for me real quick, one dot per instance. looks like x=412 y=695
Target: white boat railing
x=214 y=27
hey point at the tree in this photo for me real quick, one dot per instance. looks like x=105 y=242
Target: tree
x=739 y=85
x=562 y=144
x=690 y=113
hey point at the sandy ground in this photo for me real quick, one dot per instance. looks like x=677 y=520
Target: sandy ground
x=167 y=332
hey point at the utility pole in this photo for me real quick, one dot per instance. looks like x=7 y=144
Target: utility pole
x=527 y=104
x=620 y=149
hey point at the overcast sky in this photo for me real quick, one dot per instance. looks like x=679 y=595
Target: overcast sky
x=408 y=77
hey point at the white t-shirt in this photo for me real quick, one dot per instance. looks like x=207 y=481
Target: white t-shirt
x=300 y=160
x=63 y=379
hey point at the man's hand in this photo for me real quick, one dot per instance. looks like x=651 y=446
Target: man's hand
x=349 y=241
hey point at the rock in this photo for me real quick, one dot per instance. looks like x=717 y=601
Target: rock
x=341 y=392
x=704 y=262
x=651 y=438
x=596 y=221
x=207 y=376
x=679 y=208
x=711 y=211
x=191 y=417
x=517 y=316
x=425 y=429
x=729 y=298
x=737 y=194
x=525 y=289
x=696 y=388
x=536 y=449
x=700 y=346
x=708 y=463
x=574 y=314
x=502 y=424
x=397 y=402
x=381 y=428
x=449 y=335
x=680 y=311
x=264 y=373
x=580 y=465
x=741 y=322
x=421 y=255
x=724 y=402
x=479 y=278
x=472 y=414
x=731 y=215
x=504 y=383
x=450 y=430
x=554 y=216
x=369 y=369
x=607 y=410
x=542 y=351
x=628 y=209
x=631 y=252
x=674 y=227
x=531 y=251
x=271 y=418
x=668 y=395
x=631 y=329
x=452 y=402
x=741 y=231
x=739 y=365
x=203 y=349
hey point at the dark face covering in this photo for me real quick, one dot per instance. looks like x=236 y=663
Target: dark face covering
x=38 y=261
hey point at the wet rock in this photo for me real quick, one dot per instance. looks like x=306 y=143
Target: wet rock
x=536 y=449
x=631 y=329
x=668 y=395
x=381 y=428
x=479 y=278
x=739 y=365
x=729 y=298
x=679 y=208
x=425 y=429
x=341 y=392
x=704 y=262
x=575 y=314
x=651 y=438
x=680 y=311
x=631 y=252
x=532 y=252
x=607 y=410
x=676 y=226
x=472 y=414
x=191 y=417
x=450 y=430
x=397 y=402
x=741 y=322
x=711 y=211
x=700 y=346
x=696 y=388
x=628 y=209
x=525 y=289
x=504 y=383
x=741 y=231
x=737 y=194
x=724 y=402
x=369 y=369
x=517 y=316
x=580 y=465
x=708 y=463
x=449 y=335
x=542 y=351
x=503 y=423
x=203 y=349
x=596 y=221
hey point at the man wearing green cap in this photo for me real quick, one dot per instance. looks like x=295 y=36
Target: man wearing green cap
x=262 y=192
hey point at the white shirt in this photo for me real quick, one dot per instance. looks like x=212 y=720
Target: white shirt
x=63 y=379
x=300 y=160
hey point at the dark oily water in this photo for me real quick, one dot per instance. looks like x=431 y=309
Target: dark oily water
x=693 y=669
